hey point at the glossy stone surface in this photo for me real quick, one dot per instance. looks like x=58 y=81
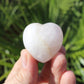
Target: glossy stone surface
x=43 y=41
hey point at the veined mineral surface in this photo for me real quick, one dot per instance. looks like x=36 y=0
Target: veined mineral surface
x=43 y=41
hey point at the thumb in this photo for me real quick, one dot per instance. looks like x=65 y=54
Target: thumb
x=27 y=73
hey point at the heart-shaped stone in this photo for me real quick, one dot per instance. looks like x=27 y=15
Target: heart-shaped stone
x=43 y=41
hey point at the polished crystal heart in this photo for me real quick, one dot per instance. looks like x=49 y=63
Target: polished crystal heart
x=43 y=41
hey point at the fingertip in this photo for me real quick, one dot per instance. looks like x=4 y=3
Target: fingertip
x=59 y=55
x=70 y=74
x=23 y=51
x=68 y=78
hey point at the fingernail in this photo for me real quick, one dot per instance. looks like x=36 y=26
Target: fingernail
x=24 y=60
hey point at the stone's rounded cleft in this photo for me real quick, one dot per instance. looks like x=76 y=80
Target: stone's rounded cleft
x=43 y=41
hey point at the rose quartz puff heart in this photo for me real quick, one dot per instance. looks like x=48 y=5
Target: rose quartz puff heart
x=43 y=41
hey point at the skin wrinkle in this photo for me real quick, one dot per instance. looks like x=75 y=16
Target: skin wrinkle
x=58 y=70
x=43 y=74
x=57 y=65
x=62 y=70
x=19 y=77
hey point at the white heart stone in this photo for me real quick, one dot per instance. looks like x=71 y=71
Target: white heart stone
x=43 y=41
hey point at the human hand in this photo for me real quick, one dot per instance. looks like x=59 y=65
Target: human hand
x=25 y=71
